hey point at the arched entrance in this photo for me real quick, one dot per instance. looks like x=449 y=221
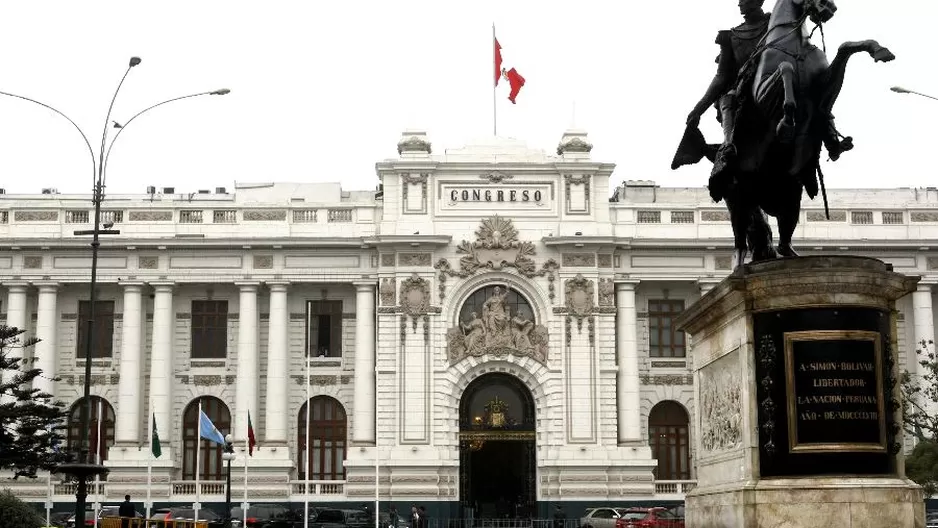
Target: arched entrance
x=497 y=463
x=669 y=439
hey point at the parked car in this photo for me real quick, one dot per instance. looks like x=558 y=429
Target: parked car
x=931 y=519
x=60 y=519
x=103 y=513
x=655 y=517
x=334 y=518
x=159 y=518
x=602 y=517
x=260 y=515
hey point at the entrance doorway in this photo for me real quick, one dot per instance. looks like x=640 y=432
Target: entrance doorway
x=498 y=465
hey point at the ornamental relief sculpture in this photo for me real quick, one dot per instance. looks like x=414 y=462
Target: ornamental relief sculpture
x=415 y=296
x=720 y=405
x=496 y=247
x=497 y=332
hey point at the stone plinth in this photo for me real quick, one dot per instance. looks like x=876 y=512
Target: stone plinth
x=795 y=370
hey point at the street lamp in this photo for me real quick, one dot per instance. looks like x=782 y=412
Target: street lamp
x=901 y=90
x=228 y=456
x=86 y=466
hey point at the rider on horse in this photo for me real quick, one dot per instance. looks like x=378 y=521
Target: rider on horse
x=737 y=47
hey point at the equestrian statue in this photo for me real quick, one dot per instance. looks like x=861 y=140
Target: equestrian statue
x=774 y=92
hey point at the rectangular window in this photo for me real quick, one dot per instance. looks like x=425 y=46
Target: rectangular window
x=103 y=346
x=324 y=329
x=663 y=339
x=209 y=329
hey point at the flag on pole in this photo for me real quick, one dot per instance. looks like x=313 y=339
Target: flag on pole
x=155 y=440
x=208 y=431
x=515 y=80
x=252 y=441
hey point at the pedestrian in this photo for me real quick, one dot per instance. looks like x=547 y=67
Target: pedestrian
x=393 y=517
x=560 y=518
x=127 y=512
x=424 y=519
x=415 y=518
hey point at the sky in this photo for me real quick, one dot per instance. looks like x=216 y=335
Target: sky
x=320 y=91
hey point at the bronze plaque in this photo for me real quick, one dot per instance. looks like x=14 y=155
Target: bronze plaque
x=834 y=391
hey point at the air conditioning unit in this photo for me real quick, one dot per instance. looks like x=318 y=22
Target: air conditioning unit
x=169 y=190
x=3 y=191
x=220 y=190
x=50 y=190
x=204 y=191
x=151 y=189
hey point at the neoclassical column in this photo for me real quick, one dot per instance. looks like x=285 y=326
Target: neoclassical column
x=246 y=393
x=629 y=412
x=363 y=431
x=16 y=315
x=161 y=363
x=128 y=388
x=46 y=349
x=277 y=408
x=924 y=319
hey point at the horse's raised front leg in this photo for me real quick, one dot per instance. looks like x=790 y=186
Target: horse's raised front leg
x=838 y=68
x=765 y=96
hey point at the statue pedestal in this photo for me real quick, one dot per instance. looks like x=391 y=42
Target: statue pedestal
x=797 y=396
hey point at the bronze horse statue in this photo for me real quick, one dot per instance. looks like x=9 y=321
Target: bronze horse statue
x=785 y=94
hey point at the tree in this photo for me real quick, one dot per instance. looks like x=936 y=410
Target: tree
x=919 y=396
x=14 y=512
x=31 y=422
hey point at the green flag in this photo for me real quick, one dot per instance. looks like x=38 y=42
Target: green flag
x=155 y=443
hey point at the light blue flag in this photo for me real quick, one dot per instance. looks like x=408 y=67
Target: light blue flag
x=209 y=431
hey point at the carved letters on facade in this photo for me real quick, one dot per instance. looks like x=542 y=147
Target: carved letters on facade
x=388 y=292
x=497 y=332
x=720 y=405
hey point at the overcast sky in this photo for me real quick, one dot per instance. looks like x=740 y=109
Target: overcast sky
x=322 y=90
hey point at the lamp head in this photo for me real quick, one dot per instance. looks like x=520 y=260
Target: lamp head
x=899 y=89
x=228 y=438
x=134 y=61
x=223 y=91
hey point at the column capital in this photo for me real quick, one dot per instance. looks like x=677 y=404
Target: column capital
x=162 y=286
x=926 y=285
x=131 y=285
x=248 y=285
x=626 y=284
x=47 y=286
x=19 y=286
x=365 y=285
x=277 y=285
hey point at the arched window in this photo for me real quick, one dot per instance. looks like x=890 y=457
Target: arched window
x=210 y=463
x=101 y=424
x=517 y=305
x=327 y=428
x=669 y=438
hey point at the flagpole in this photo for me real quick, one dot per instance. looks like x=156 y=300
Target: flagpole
x=98 y=459
x=306 y=443
x=247 y=451
x=150 y=469
x=494 y=84
x=198 y=448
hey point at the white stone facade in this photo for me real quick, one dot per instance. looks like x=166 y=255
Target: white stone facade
x=589 y=266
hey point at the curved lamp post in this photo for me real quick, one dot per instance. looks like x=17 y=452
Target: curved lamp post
x=901 y=90
x=228 y=456
x=86 y=466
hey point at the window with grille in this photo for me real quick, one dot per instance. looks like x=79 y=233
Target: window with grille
x=211 y=466
x=209 y=329
x=682 y=217
x=324 y=329
x=669 y=439
x=649 y=217
x=103 y=346
x=861 y=217
x=893 y=217
x=663 y=339
x=326 y=440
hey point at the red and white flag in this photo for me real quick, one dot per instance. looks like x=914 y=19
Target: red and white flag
x=515 y=80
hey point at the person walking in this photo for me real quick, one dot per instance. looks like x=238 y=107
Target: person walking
x=127 y=512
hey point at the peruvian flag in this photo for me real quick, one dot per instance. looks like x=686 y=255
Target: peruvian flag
x=515 y=80
x=252 y=441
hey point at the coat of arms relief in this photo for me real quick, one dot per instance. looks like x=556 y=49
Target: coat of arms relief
x=496 y=247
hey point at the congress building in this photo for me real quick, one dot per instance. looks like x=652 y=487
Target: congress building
x=489 y=326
